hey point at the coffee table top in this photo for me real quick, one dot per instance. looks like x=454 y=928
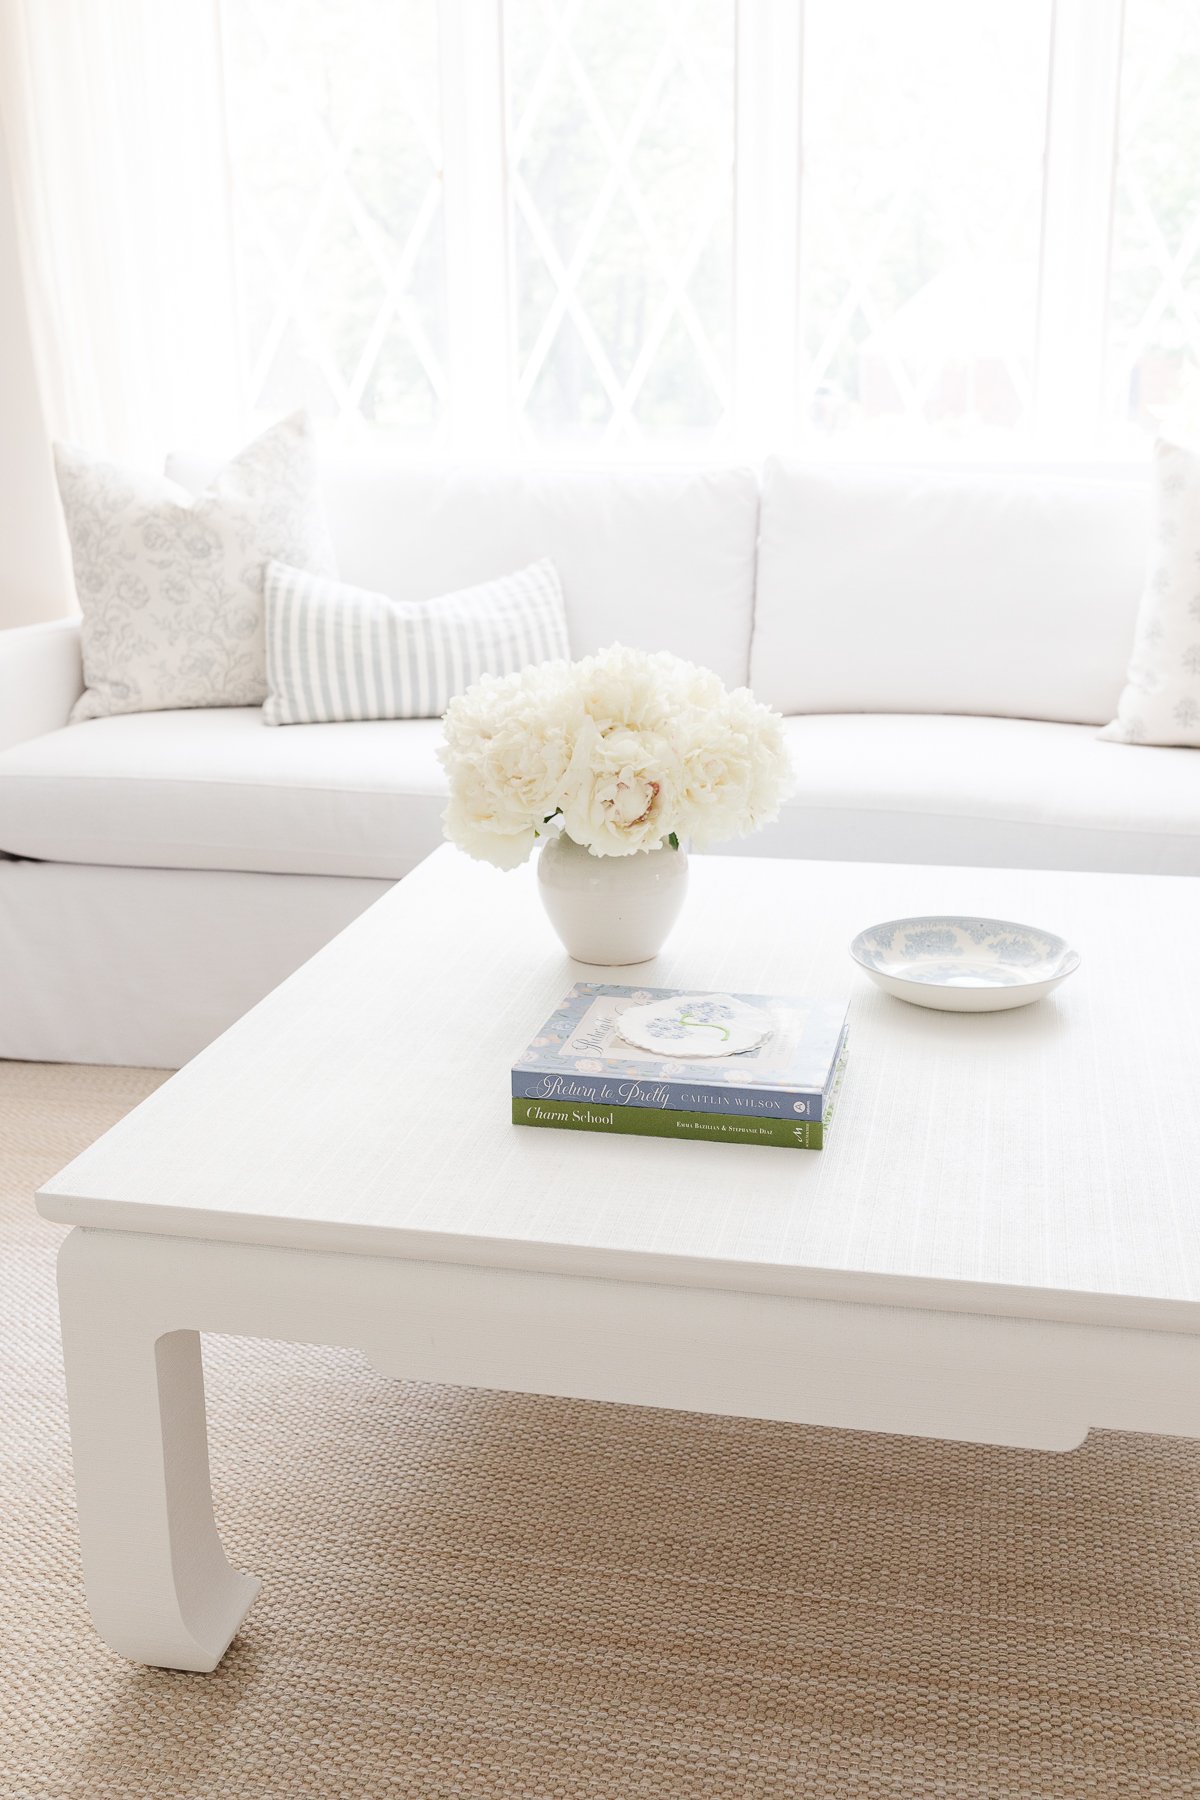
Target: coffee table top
x=1041 y=1162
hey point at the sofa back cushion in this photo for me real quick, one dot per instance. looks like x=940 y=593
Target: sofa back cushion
x=1011 y=592
x=661 y=559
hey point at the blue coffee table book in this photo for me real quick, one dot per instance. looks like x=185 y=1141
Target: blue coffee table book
x=581 y=1074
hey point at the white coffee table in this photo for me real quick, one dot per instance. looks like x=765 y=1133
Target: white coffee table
x=1001 y=1243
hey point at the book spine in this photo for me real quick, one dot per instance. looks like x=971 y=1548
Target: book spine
x=653 y=1121
x=600 y=1090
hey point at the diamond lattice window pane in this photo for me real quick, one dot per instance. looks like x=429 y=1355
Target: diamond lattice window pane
x=1154 y=285
x=923 y=140
x=620 y=143
x=336 y=160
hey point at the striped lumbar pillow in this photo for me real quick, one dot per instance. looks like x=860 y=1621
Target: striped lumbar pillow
x=340 y=652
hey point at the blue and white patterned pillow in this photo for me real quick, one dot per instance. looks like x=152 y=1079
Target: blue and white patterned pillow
x=1160 y=702
x=341 y=652
x=170 y=585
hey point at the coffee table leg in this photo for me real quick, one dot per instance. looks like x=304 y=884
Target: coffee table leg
x=158 y=1585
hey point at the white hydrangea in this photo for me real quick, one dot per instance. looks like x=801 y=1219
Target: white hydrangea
x=625 y=751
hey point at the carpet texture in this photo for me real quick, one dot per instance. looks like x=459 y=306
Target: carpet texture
x=471 y=1594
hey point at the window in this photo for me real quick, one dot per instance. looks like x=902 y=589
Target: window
x=923 y=129
x=334 y=138
x=713 y=227
x=620 y=136
x=1154 y=298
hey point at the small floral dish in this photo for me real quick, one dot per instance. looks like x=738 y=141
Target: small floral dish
x=692 y=1025
x=959 y=964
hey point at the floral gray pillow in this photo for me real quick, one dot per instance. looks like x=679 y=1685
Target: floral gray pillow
x=1160 y=703
x=171 y=586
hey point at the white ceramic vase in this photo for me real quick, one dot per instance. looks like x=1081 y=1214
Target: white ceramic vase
x=611 y=909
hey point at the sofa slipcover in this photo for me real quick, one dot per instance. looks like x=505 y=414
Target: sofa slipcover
x=907 y=618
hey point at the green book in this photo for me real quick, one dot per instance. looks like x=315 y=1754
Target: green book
x=653 y=1121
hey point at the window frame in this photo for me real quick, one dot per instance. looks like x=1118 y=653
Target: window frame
x=1078 y=201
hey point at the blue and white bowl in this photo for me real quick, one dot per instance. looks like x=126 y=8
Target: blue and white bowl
x=962 y=964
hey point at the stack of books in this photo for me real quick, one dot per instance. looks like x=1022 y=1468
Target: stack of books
x=580 y=1074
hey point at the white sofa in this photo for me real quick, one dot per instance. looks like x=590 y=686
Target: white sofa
x=945 y=643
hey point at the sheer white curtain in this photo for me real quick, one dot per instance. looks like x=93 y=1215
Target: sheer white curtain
x=112 y=112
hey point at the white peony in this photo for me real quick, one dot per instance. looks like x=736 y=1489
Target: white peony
x=626 y=749
x=625 y=791
x=509 y=743
x=736 y=772
x=637 y=688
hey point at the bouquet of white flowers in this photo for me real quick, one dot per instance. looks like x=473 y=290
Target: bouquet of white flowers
x=627 y=750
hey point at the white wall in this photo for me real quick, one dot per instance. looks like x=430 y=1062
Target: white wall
x=35 y=581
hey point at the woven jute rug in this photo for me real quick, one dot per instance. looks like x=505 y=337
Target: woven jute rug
x=473 y=1594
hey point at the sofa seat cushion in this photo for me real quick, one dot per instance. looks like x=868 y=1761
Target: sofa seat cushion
x=215 y=789
x=891 y=787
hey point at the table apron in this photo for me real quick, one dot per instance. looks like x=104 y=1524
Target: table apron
x=1037 y=1384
